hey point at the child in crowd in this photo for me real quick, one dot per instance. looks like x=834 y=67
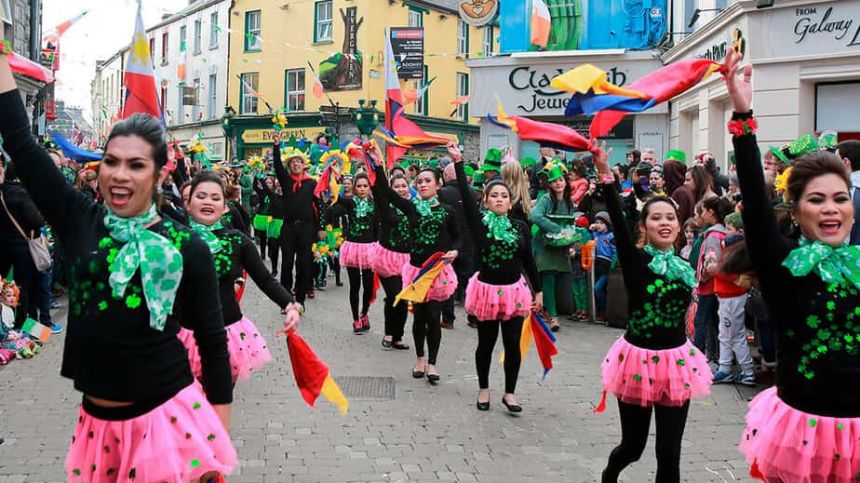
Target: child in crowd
x=731 y=285
x=580 y=277
x=714 y=210
x=690 y=228
x=8 y=302
x=12 y=340
x=578 y=181
x=604 y=252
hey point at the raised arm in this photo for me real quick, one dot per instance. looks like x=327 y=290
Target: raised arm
x=470 y=208
x=280 y=171
x=382 y=190
x=766 y=245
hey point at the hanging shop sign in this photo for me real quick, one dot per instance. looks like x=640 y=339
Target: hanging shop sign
x=718 y=50
x=342 y=71
x=264 y=136
x=478 y=12
x=407 y=44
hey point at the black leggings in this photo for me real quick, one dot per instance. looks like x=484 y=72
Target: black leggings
x=425 y=324
x=635 y=421
x=395 y=317
x=488 y=333
x=262 y=241
x=274 y=251
x=357 y=278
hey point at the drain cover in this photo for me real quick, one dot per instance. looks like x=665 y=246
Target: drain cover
x=365 y=387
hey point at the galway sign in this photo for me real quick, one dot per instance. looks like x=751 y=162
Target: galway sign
x=821 y=29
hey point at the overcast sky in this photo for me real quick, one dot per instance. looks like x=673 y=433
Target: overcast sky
x=107 y=28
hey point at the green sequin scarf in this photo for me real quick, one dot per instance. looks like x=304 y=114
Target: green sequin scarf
x=499 y=227
x=206 y=233
x=671 y=266
x=424 y=207
x=840 y=266
x=159 y=261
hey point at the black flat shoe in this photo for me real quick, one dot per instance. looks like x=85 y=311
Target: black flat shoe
x=483 y=406
x=433 y=377
x=399 y=346
x=514 y=408
x=417 y=374
x=387 y=344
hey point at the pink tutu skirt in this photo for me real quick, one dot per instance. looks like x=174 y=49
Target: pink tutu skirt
x=180 y=440
x=497 y=302
x=644 y=377
x=248 y=350
x=356 y=255
x=443 y=287
x=786 y=444
x=387 y=263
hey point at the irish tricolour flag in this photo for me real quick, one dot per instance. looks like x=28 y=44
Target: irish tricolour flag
x=540 y=23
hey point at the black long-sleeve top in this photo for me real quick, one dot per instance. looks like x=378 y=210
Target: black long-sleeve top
x=21 y=205
x=359 y=229
x=502 y=263
x=238 y=253
x=393 y=225
x=111 y=352
x=437 y=232
x=276 y=203
x=300 y=204
x=818 y=347
x=264 y=206
x=656 y=305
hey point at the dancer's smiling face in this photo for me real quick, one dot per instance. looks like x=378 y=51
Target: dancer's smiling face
x=401 y=187
x=660 y=225
x=128 y=175
x=207 y=203
x=825 y=211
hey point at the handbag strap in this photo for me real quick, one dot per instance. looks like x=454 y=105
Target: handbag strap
x=14 y=221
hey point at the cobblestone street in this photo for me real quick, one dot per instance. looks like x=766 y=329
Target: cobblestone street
x=398 y=428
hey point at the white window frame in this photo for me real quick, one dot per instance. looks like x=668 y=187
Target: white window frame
x=213 y=30
x=416 y=18
x=212 y=92
x=183 y=38
x=198 y=35
x=488 y=40
x=463 y=90
x=297 y=94
x=462 y=37
x=249 y=104
x=7 y=9
x=323 y=30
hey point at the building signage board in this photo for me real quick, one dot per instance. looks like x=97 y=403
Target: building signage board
x=478 y=12
x=525 y=90
x=342 y=71
x=817 y=29
x=264 y=136
x=407 y=44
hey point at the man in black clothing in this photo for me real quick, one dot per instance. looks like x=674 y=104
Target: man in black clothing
x=464 y=263
x=302 y=225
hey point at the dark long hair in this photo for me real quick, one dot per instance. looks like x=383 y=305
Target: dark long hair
x=673 y=175
x=703 y=181
x=147 y=128
x=565 y=195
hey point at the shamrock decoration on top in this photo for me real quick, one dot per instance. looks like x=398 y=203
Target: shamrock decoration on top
x=279 y=120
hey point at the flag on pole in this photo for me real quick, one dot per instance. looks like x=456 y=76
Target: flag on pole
x=393 y=99
x=183 y=59
x=55 y=33
x=317 y=88
x=540 y=24
x=312 y=375
x=140 y=92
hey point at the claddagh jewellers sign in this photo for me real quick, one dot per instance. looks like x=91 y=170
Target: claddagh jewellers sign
x=542 y=96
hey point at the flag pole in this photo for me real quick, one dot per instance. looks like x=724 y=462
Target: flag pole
x=324 y=92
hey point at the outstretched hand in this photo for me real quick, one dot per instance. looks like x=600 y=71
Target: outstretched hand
x=454 y=151
x=601 y=157
x=739 y=87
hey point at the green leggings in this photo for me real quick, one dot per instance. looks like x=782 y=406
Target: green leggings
x=580 y=294
x=548 y=282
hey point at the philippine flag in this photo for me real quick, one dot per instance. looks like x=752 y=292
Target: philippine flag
x=540 y=24
x=140 y=92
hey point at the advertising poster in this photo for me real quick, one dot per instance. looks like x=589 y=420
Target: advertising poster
x=407 y=44
x=343 y=70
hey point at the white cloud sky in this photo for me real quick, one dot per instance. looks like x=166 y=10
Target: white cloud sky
x=107 y=28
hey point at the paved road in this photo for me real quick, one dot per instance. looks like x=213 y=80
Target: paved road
x=423 y=433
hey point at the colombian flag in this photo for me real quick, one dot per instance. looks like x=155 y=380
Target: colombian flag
x=545 y=133
x=312 y=375
x=535 y=329
x=417 y=290
x=141 y=95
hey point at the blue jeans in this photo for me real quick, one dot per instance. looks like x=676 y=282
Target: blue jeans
x=600 y=285
x=705 y=325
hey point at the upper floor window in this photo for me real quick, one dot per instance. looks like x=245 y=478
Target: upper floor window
x=462 y=37
x=323 y=24
x=213 y=30
x=253 y=27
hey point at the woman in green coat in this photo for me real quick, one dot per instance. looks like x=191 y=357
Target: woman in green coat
x=553 y=216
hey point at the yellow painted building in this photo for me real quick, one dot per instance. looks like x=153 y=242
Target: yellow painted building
x=274 y=46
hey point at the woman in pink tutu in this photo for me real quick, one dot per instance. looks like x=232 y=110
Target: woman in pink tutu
x=234 y=252
x=652 y=367
x=807 y=428
x=433 y=229
x=389 y=257
x=134 y=277
x=497 y=295
x=356 y=253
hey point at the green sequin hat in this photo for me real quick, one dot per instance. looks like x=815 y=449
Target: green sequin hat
x=553 y=173
x=528 y=162
x=790 y=151
x=676 y=155
x=828 y=141
x=478 y=180
x=492 y=161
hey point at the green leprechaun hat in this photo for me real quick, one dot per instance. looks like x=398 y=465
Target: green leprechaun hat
x=492 y=161
x=790 y=151
x=554 y=172
x=528 y=162
x=828 y=140
x=676 y=155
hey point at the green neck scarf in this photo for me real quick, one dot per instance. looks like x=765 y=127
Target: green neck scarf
x=206 y=233
x=363 y=206
x=499 y=227
x=839 y=266
x=671 y=266
x=160 y=263
x=424 y=207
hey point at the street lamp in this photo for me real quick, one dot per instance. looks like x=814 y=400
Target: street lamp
x=366 y=118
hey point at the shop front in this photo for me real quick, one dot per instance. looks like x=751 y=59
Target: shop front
x=252 y=135
x=806 y=61
x=209 y=133
x=521 y=82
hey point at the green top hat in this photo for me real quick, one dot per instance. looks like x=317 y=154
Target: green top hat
x=676 y=155
x=528 y=162
x=433 y=163
x=492 y=161
x=553 y=173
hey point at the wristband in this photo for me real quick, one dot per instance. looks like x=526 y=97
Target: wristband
x=5 y=47
x=743 y=126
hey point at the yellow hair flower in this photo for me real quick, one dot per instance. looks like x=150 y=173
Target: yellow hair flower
x=781 y=181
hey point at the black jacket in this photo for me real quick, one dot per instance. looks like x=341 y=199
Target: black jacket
x=23 y=209
x=450 y=195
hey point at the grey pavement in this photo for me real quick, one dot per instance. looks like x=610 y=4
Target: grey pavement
x=423 y=433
